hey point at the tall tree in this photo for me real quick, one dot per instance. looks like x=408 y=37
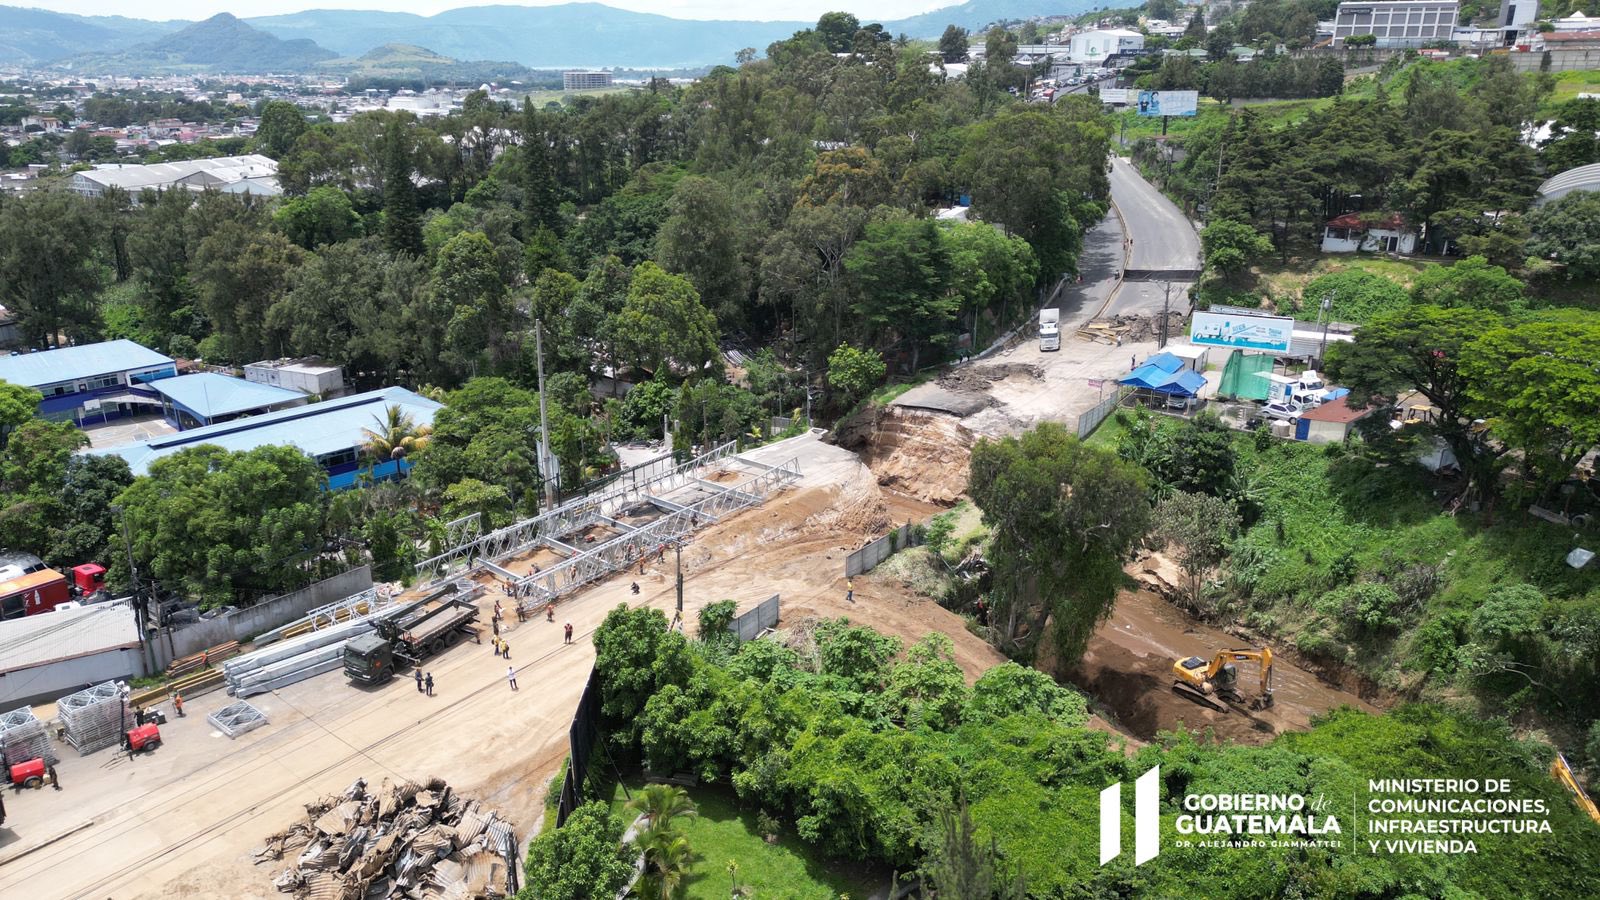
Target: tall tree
x=540 y=196
x=903 y=272
x=48 y=270
x=402 y=224
x=1424 y=348
x=663 y=325
x=703 y=238
x=953 y=44
x=1062 y=516
x=281 y=125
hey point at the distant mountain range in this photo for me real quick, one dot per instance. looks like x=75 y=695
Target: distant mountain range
x=563 y=36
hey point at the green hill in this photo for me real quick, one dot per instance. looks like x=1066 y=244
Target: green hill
x=221 y=43
x=408 y=61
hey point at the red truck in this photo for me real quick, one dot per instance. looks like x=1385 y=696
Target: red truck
x=33 y=590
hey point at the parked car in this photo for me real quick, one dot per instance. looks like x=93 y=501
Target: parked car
x=1282 y=410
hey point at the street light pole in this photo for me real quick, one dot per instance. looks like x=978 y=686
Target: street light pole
x=1327 y=319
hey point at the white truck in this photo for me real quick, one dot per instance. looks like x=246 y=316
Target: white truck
x=1049 y=329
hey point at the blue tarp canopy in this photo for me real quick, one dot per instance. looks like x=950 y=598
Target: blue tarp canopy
x=1152 y=376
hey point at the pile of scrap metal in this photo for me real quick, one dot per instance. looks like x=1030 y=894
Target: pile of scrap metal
x=420 y=842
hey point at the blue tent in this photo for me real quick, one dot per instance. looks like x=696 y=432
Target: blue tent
x=1164 y=361
x=1151 y=376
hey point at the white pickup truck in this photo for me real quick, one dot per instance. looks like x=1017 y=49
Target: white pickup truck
x=1049 y=329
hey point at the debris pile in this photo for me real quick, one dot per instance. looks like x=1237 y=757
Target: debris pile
x=421 y=842
x=1118 y=329
x=978 y=378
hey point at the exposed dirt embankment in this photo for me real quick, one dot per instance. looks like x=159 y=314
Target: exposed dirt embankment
x=913 y=452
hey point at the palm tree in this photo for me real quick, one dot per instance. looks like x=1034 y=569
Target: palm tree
x=659 y=804
x=666 y=863
x=397 y=436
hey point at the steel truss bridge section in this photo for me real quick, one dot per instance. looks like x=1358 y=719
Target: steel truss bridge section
x=625 y=550
x=634 y=484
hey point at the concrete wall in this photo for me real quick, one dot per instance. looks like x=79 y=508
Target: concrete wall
x=51 y=680
x=244 y=624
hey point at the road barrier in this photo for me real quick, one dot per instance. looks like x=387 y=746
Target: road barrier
x=867 y=558
x=752 y=622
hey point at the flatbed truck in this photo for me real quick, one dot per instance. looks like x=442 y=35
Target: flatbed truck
x=372 y=657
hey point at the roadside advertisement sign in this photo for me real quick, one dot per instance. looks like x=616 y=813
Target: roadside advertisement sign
x=1241 y=332
x=1168 y=103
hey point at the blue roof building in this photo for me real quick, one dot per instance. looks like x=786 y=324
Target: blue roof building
x=91 y=382
x=206 y=398
x=1165 y=374
x=331 y=432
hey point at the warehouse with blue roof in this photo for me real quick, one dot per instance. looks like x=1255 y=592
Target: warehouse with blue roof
x=90 y=382
x=331 y=432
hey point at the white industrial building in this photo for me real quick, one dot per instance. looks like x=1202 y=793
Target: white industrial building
x=251 y=174
x=1094 y=46
x=1398 y=23
x=50 y=654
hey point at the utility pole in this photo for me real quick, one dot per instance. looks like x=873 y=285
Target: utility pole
x=1327 y=319
x=807 y=373
x=545 y=456
x=677 y=551
x=1166 y=299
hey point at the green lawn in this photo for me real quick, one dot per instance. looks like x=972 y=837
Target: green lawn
x=1568 y=86
x=1288 y=280
x=788 y=869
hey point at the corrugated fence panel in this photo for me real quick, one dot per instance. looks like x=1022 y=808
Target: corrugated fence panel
x=869 y=557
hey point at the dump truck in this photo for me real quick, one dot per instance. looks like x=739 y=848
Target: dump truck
x=372 y=657
x=1049 y=329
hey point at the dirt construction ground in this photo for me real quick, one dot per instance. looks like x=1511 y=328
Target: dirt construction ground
x=182 y=821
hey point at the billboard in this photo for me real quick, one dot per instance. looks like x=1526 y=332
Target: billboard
x=1168 y=103
x=1241 y=332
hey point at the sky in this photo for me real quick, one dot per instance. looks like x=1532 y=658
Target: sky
x=759 y=10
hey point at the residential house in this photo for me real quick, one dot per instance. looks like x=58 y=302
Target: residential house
x=1352 y=232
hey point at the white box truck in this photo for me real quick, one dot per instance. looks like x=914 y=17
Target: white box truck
x=1049 y=329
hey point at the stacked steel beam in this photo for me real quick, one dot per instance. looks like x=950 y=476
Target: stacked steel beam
x=237 y=718
x=24 y=737
x=95 y=717
x=287 y=662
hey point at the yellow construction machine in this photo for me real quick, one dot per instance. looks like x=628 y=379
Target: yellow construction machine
x=1560 y=771
x=1212 y=683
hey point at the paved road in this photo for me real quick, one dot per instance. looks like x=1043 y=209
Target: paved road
x=1163 y=238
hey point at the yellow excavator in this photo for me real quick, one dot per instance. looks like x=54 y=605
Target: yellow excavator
x=1560 y=771
x=1212 y=683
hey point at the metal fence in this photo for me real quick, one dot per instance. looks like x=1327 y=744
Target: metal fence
x=867 y=558
x=752 y=622
x=581 y=739
x=1090 y=420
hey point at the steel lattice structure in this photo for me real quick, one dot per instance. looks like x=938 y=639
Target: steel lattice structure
x=623 y=551
x=630 y=486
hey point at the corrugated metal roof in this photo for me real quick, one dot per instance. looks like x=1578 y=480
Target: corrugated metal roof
x=134 y=178
x=1581 y=178
x=211 y=394
x=66 y=634
x=316 y=429
x=73 y=363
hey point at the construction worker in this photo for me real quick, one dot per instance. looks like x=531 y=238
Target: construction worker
x=418 y=673
x=505 y=647
x=849 y=591
x=496 y=624
x=636 y=587
x=177 y=702
x=511 y=677
x=550 y=613
x=429 y=682
x=568 y=630
x=54 y=778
